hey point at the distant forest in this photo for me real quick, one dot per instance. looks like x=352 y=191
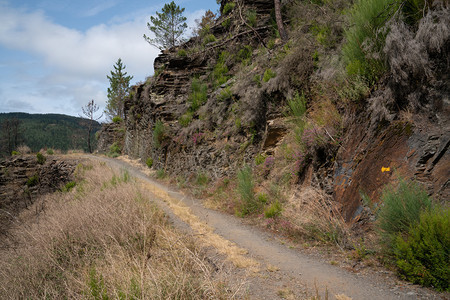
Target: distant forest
x=39 y=131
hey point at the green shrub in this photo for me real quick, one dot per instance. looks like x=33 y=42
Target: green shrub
x=263 y=198
x=220 y=70
x=273 y=210
x=185 y=119
x=158 y=133
x=401 y=209
x=296 y=111
x=40 y=158
x=322 y=33
x=251 y=18
x=182 y=53
x=198 y=95
x=245 y=54
x=33 y=180
x=260 y=158
x=202 y=179
x=269 y=74
x=160 y=174
x=69 y=186
x=249 y=204
x=149 y=162
x=114 y=150
x=227 y=8
x=365 y=38
x=225 y=94
x=14 y=153
x=209 y=38
x=423 y=257
x=226 y=23
x=50 y=151
x=117 y=119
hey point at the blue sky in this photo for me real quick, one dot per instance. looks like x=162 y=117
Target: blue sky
x=55 y=54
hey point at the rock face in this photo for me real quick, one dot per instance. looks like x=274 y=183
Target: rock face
x=109 y=134
x=22 y=180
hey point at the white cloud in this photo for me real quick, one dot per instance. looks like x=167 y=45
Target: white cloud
x=71 y=65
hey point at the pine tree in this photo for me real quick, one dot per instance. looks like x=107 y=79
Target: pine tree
x=118 y=90
x=168 y=27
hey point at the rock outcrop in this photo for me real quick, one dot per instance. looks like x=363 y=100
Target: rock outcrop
x=23 y=179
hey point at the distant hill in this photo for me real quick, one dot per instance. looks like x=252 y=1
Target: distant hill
x=39 y=131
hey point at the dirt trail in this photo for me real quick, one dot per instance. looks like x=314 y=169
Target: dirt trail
x=267 y=261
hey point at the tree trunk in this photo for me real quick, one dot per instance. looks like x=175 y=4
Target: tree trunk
x=279 y=20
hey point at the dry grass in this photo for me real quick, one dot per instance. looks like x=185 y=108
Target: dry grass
x=105 y=239
x=313 y=215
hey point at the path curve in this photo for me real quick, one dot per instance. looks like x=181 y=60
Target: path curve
x=262 y=247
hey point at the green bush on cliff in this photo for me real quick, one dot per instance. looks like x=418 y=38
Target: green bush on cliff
x=249 y=203
x=117 y=119
x=158 y=133
x=401 y=209
x=40 y=158
x=423 y=256
x=149 y=162
x=114 y=150
x=198 y=95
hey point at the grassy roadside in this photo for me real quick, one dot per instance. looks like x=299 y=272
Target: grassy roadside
x=104 y=239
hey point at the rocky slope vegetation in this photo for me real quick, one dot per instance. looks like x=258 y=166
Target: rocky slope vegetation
x=23 y=180
x=228 y=97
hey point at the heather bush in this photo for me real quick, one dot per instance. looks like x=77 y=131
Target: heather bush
x=422 y=256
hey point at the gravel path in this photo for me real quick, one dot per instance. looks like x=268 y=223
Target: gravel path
x=283 y=272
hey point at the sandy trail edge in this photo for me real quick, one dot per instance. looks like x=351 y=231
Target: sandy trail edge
x=264 y=249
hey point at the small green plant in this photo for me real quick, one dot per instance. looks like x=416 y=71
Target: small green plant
x=96 y=285
x=269 y=74
x=15 y=153
x=185 y=119
x=423 y=257
x=117 y=119
x=182 y=53
x=260 y=158
x=263 y=198
x=202 y=179
x=198 y=95
x=226 y=23
x=296 y=111
x=257 y=80
x=114 y=150
x=227 y=8
x=160 y=174
x=69 y=186
x=40 y=158
x=401 y=209
x=220 y=70
x=322 y=33
x=209 y=38
x=249 y=204
x=251 y=18
x=225 y=94
x=149 y=162
x=158 y=133
x=273 y=210
x=50 y=151
x=33 y=180
x=237 y=123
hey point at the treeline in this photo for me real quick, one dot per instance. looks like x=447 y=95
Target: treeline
x=39 y=131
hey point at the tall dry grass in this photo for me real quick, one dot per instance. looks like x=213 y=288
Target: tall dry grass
x=314 y=215
x=104 y=240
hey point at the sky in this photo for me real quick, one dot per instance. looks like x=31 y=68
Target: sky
x=55 y=54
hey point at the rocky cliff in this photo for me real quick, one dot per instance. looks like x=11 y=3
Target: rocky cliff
x=249 y=76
